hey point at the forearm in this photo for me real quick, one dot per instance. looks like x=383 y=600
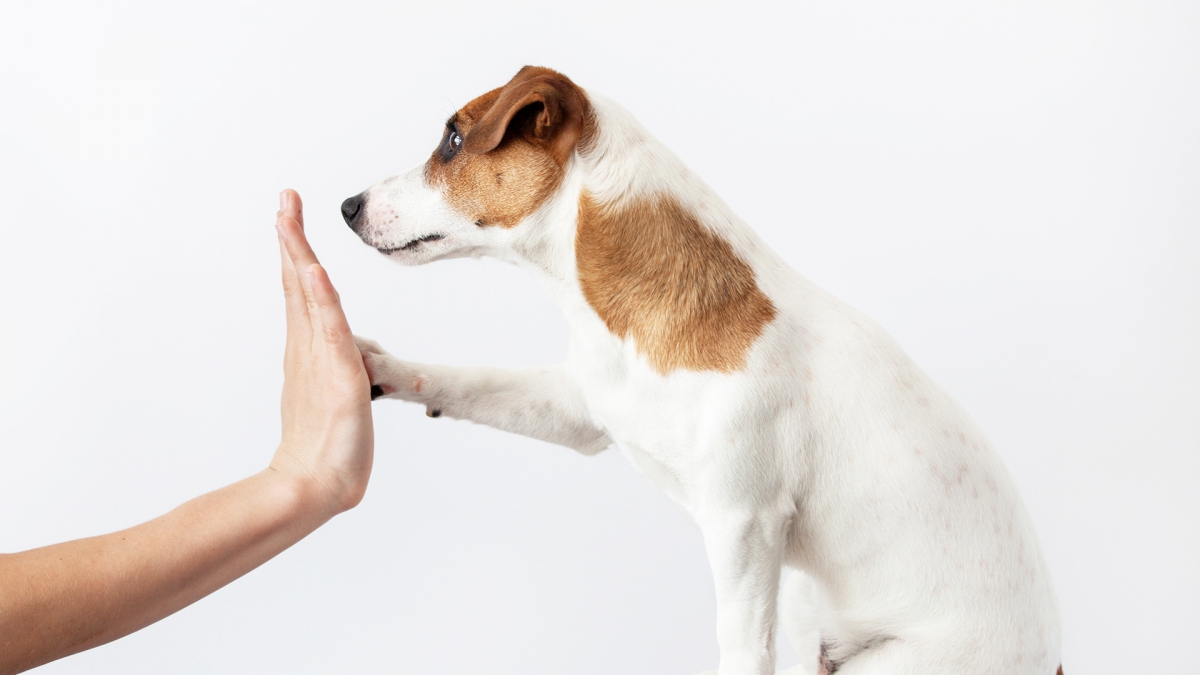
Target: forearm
x=69 y=597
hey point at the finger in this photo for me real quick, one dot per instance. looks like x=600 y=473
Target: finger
x=291 y=206
x=302 y=258
x=293 y=292
x=335 y=329
x=297 y=244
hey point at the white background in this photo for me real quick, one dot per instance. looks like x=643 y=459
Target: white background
x=1011 y=188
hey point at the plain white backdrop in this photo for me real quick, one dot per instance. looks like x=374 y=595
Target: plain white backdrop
x=1011 y=188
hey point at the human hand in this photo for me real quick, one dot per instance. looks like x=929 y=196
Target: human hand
x=64 y=598
x=328 y=440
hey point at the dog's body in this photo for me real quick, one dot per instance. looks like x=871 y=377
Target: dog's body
x=792 y=428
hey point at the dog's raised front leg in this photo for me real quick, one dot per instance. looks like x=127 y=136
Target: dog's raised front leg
x=541 y=403
x=745 y=550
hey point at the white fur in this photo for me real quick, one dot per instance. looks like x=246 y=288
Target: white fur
x=829 y=452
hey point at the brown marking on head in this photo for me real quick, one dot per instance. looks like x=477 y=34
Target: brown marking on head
x=515 y=145
x=654 y=273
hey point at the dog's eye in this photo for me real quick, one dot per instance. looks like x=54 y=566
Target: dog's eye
x=451 y=143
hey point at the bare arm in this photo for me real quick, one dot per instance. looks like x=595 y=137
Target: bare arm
x=65 y=598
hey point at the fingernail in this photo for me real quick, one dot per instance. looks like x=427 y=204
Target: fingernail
x=279 y=230
x=283 y=200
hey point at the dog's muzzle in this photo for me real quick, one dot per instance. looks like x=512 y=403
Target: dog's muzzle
x=353 y=211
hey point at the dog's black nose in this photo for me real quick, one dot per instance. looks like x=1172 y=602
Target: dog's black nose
x=351 y=208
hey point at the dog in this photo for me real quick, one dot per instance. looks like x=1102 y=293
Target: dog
x=792 y=429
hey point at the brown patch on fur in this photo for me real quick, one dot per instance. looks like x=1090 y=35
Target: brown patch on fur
x=516 y=143
x=1060 y=670
x=654 y=273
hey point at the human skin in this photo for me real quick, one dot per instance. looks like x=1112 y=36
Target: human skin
x=62 y=599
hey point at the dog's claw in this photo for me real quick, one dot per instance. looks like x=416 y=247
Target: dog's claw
x=376 y=391
x=434 y=412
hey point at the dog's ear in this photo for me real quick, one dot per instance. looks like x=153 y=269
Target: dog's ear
x=540 y=104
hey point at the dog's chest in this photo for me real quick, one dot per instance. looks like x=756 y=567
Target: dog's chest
x=660 y=422
x=654 y=433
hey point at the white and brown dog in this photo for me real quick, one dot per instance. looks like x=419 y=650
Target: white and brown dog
x=791 y=428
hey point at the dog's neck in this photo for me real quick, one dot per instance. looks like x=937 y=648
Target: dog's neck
x=617 y=164
x=620 y=163
x=636 y=238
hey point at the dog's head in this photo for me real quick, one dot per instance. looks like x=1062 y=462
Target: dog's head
x=500 y=158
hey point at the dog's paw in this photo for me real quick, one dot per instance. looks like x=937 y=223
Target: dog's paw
x=391 y=377
x=367 y=346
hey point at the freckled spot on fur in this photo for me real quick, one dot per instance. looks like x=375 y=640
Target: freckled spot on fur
x=655 y=274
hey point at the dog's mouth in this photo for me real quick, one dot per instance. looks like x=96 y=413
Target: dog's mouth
x=412 y=244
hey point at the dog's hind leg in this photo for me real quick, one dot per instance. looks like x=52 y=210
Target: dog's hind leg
x=913 y=656
x=896 y=657
x=542 y=403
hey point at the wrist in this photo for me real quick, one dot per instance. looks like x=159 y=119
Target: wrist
x=300 y=496
x=319 y=493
